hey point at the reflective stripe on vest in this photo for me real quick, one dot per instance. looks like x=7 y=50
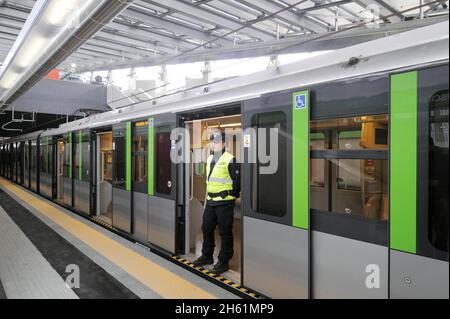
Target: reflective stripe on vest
x=219 y=180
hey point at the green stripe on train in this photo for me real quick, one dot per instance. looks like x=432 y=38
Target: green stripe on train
x=300 y=159
x=403 y=188
x=128 y=157
x=151 y=137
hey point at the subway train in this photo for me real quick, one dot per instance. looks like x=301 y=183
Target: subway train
x=357 y=206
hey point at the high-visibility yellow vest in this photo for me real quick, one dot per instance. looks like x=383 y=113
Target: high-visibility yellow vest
x=220 y=179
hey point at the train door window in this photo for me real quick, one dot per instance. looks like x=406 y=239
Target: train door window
x=438 y=186
x=139 y=153
x=163 y=161
x=433 y=132
x=119 y=150
x=318 y=142
x=76 y=154
x=264 y=186
x=33 y=156
x=354 y=168
x=44 y=157
x=67 y=148
x=85 y=155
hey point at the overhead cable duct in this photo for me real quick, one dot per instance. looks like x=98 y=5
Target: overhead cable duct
x=53 y=30
x=14 y=120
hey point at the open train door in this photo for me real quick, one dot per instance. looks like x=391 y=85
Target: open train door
x=275 y=195
x=163 y=215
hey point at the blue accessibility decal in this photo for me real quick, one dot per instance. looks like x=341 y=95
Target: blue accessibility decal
x=301 y=101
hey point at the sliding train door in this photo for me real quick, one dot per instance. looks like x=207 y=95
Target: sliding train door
x=46 y=166
x=26 y=164
x=419 y=232
x=59 y=169
x=163 y=217
x=349 y=180
x=68 y=169
x=275 y=195
x=82 y=182
x=33 y=165
x=139 y=179
x=121 y=196
x=104 y=175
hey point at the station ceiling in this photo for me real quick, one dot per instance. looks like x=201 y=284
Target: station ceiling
x=151 y=32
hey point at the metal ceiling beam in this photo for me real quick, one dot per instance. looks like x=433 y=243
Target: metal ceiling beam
x=9 y=30
x=96 y=53
x=287 y=16
x=5 y=11
x=175 y=27
x=205 y=15
x=149 y=34
x=108 y=51
x=133 y=41
x=23 y=3
x=121 y=47
x=83 y=59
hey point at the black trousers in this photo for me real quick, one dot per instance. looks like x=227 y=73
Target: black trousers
x=221 y=215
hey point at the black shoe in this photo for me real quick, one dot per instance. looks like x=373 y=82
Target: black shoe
x=203 y=261
x=220 y=268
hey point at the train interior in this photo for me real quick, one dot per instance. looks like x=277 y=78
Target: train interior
x=200 y=132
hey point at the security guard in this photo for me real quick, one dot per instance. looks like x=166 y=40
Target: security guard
x=223 y=185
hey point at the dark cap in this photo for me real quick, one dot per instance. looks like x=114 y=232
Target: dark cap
x=218 y=137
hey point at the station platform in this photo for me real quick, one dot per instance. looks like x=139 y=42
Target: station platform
x=48 y=252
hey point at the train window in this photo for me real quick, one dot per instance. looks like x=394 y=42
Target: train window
x=33 y=156
x=139 y=153
x=349 y=140
x=438 y=186
x=317 y=141
x=432 y=161
x=349 y=174
x=163 y=173
x=317 y=169
x=45 y=157
x=365 y=186
x=265 y=185
x=67 y=150
x=76 y=154
x=349 y=179
x=353 y=133
x=119 y=149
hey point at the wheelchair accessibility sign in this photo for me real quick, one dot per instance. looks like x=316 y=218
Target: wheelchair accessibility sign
x=301 y=101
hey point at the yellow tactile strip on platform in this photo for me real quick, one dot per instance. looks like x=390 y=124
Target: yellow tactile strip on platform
x=160 y=280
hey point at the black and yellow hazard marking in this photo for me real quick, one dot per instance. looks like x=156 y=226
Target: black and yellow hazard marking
x=103 y=223
x=221 y=279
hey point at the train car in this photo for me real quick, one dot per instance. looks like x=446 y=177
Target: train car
x=356 y=201
x=19 y=160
